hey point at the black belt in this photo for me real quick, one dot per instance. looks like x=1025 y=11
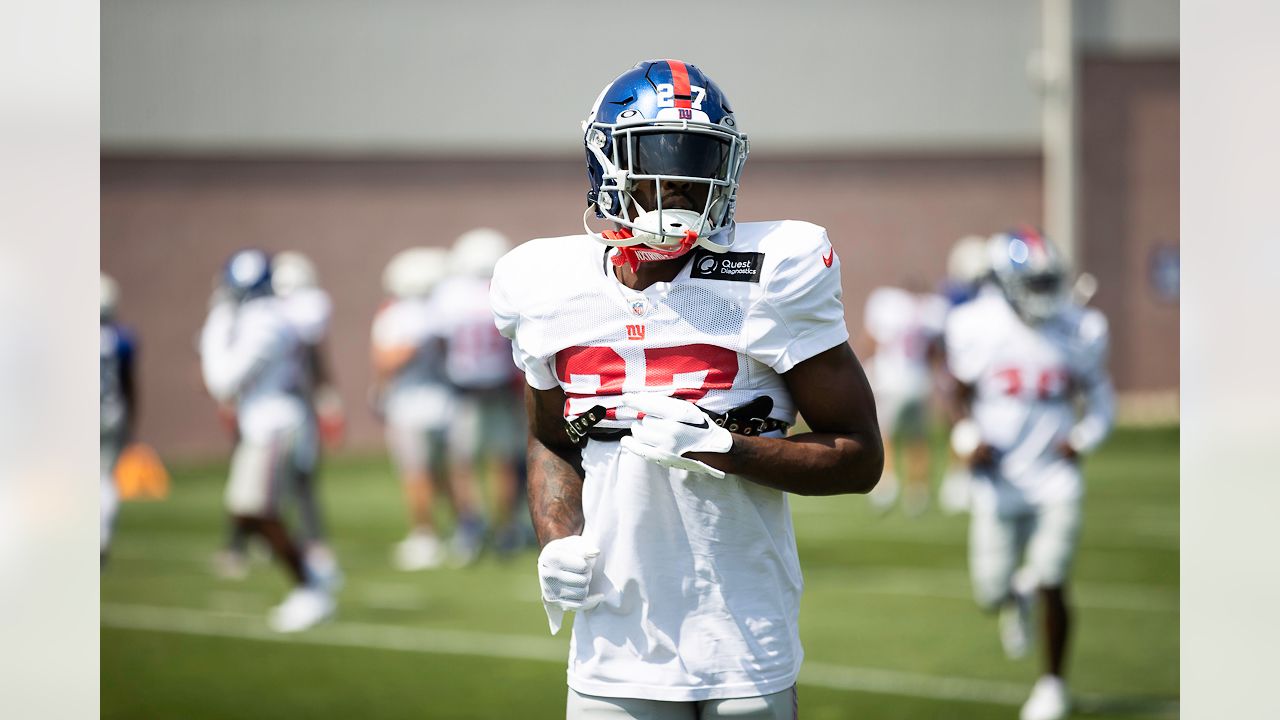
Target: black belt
x=750 y=419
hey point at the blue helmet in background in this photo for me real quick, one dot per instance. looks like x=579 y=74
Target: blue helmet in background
x=1031 y=272
x=663 y=121
x=247 y=274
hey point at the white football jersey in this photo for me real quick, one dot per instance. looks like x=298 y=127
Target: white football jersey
x=1026 y=378
x=250 y=354
x=903 y=325
x=700 y=577
x=479 y=357
x=308 y=310
x=418 y=394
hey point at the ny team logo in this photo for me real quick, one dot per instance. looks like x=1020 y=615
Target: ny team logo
x=635 y=332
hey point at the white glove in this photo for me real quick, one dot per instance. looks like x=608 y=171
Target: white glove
x=564 y=574
x=672 y=427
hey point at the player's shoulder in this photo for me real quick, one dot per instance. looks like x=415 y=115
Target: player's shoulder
x=977 y=316
x=1086 y=325
x=547 y=265
x=548 y=253
x=780 y=240
x=792 y=254
x=265 y=314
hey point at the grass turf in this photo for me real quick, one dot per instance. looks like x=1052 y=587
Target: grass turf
x=887 y=619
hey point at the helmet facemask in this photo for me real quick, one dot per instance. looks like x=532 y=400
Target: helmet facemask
x=670 y=185
x=1037 y=297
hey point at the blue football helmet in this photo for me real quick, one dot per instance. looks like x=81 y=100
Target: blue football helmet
x=247 y=274
x=1031 y=273
x=663 y=127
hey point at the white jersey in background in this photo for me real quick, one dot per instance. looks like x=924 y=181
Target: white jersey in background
x=713 y=561
x=308 y=311
x=1025 y=379
x=903 y=325
x=418 y=395
x=252 y=356
x=479 y=357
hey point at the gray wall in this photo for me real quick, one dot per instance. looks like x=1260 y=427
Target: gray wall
x=495 y=77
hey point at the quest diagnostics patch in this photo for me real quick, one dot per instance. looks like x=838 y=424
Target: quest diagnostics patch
x=733 y=266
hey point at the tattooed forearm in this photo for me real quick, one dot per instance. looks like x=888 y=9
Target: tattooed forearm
x=555 y=491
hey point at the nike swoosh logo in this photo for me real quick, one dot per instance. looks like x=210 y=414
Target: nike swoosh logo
x=692 y=425
x=829 y=257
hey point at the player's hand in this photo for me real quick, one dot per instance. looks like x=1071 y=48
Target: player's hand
x=1068 y=451
x=966 y=442
x=564 y=574
x=984 y=456
x=672 y=427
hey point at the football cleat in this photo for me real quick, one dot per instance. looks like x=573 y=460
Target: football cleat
x=659 y=131
x=885 y=494
x=420 y=551
x=304 y=608
x=1048 y=701
x=1031 y=273
x=231 y=565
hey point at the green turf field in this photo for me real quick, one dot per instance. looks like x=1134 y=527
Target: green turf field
x=888 y=624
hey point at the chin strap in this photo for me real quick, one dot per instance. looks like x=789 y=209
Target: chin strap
x=633 y=256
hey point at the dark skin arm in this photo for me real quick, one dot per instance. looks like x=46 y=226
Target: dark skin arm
x=985 y=455
x=841 y=454
x=555 y=468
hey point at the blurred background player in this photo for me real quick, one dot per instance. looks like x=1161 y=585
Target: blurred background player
x=487 y=432
x=968 y=270
x=412 y=396
x=902 y=336
x=251 y=356
x=117 y=400
x=309 y=309
x=1022 y=358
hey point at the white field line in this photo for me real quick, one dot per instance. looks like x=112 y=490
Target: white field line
x=525 y=647
x=877 y=580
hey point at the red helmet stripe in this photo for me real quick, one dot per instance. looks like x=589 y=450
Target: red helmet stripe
x=680 y=80
x=1032 y=238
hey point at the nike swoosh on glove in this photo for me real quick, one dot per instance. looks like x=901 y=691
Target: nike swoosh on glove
x=672 y=427
x=564 y=574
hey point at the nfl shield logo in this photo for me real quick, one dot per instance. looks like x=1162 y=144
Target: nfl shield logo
x=638 y=307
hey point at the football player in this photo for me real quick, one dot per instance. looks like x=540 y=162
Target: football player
x=486 y=432
x=666 y=357
x=308 y=308
x=903 y=335
x=251 y=356
x=1022 y=357
x=412 y=395
x=967 y=271
x=117 y=401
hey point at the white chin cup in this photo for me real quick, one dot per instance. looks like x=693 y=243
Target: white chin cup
x=675 y=222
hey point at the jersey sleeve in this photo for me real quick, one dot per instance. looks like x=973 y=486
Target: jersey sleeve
x=233 y=348
x=965 y=353
x=538 y=372
x=1095 y=383
x=309 y=312
x=800 y=312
